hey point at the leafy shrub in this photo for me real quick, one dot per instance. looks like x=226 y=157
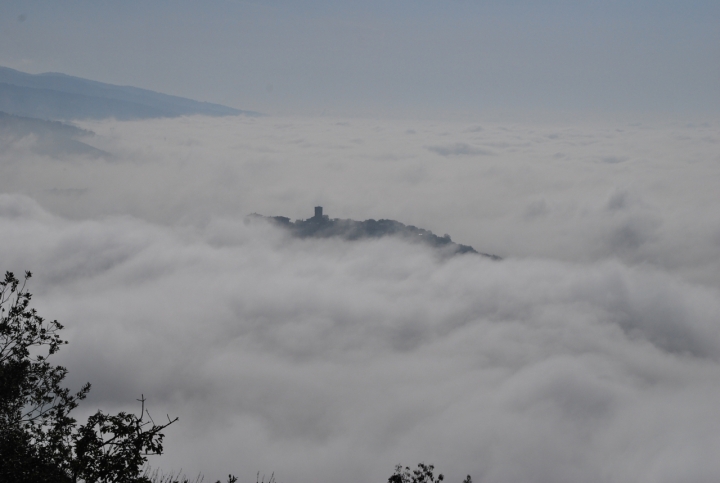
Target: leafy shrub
x=39 y=440
x=423 y=474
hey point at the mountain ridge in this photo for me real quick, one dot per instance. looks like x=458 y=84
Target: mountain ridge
x=53 y=95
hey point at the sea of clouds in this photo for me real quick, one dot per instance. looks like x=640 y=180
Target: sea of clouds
x=590 y=353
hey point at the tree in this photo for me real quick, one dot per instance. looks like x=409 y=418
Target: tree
x=41 y=443
x=39 y=440
x=423 y=474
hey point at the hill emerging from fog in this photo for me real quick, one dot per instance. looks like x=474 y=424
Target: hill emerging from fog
x=58 y=96
x=49 y=138
x=322 y=226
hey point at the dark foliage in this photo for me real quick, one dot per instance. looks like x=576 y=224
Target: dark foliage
x=422 y=474
x=39 y=440
x=41 y=443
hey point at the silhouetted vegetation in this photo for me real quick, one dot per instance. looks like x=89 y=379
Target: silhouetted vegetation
x=422 y=474
x=39 y=439
x=40 y=442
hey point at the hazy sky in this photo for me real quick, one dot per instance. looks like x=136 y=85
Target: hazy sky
x=386 y=58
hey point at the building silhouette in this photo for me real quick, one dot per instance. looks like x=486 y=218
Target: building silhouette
x=319 y=215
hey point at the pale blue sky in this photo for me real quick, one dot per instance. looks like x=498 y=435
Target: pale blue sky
x=392 y=57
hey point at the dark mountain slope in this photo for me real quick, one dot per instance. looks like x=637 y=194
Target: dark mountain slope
x=60 y=96
x=50 y=104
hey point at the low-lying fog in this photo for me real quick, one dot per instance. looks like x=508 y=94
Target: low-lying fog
x=590 y=353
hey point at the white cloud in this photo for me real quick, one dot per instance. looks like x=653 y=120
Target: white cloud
x=545 y=192
x=590 y=353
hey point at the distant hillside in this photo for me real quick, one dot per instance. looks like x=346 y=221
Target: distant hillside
x=50 y=138
x=321 y=226
x=60 y=96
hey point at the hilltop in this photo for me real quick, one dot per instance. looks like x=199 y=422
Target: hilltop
x=50 y=138
x=322 y=226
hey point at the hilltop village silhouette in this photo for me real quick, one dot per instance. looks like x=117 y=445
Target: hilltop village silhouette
x=322 y=226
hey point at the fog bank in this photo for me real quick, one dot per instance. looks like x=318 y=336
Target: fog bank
x=590 y=353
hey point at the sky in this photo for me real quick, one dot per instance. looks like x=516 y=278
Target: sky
x=395 y=58
x=577 y=140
